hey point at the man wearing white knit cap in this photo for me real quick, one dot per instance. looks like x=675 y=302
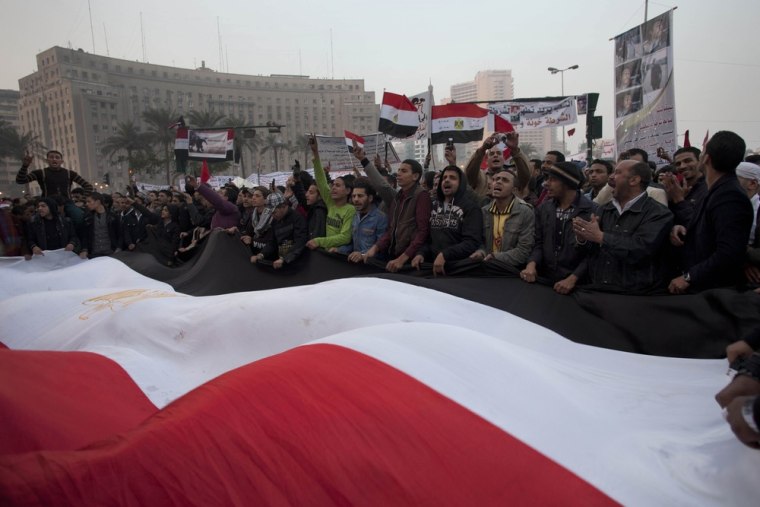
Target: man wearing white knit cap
x=748 y=175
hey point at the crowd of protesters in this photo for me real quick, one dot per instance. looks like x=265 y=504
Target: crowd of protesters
x=621 y=226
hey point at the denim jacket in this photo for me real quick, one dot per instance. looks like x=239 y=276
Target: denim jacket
x=365 y=231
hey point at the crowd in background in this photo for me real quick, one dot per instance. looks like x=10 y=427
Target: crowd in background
x=622 y=226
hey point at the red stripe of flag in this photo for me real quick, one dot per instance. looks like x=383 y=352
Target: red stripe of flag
x=398 y=116
x=317 y=425
x=205 y=174
x=465 y=110
x=352 y=138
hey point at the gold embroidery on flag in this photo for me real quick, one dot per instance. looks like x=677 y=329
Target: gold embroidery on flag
x=122 y=299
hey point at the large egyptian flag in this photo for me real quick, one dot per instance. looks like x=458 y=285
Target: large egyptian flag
x=117 y=390
x=460 y=123
x=398 y=116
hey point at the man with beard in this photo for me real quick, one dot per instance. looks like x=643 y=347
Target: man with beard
x=508 y=225
x=625 y=238
x=685 y=197
x=556 y=255
x=455 y=223
x=714 y=244
x=369 y=222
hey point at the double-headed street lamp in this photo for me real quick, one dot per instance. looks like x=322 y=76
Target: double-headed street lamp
x=555 y=70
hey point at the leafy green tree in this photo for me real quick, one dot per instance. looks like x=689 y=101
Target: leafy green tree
x=204 y=119
x=162 y=137
x=14 y=144
x=274 y=144
x=128 y=144
x=301 y=147
x=529 y=150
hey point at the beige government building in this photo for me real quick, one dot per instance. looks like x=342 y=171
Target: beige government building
x=76 y=99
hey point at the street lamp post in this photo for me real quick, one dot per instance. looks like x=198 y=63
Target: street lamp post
x=554 y=70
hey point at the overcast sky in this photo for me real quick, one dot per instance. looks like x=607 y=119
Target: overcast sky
x=401 y=46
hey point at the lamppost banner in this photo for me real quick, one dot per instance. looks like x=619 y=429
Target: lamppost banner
x=645 y=115
x=535 y=115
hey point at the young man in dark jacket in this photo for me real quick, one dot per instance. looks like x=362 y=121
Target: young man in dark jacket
x=289 y=234
x=456 y=223
x=50 y=231
x=101 y=229
x=715 y=241
x=53 y=179
x=556 y=254
x=408 y=216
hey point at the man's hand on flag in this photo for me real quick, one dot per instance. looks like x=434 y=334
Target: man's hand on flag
x=358 y=151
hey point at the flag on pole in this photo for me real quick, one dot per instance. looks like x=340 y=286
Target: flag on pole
x=686 y=142
x=571 y=132
x=181 y=145
x=461 y=123
x=398 y=116
x=205 y=174
x=498 y=122
x=352 y=138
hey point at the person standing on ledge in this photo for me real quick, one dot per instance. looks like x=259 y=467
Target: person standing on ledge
x=53 y=179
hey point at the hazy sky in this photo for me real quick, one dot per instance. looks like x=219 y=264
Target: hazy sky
x=401 y=46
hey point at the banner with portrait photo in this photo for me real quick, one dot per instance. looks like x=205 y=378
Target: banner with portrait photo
x=644 y=87
x=424 y=103
x=532 y=115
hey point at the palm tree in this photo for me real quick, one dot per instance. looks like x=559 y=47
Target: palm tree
x=15 y=144
x=273 y=143
x=129 y=140
x=290 y=148
x=528 y=150
x=242 y=142
x=204 y=119
x=158 y=121
x=301 y=147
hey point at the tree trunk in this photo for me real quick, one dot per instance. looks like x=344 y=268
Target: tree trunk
x=168 y=165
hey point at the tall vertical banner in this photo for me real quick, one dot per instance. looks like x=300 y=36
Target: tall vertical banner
x=645 y=115
x=424 y=104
